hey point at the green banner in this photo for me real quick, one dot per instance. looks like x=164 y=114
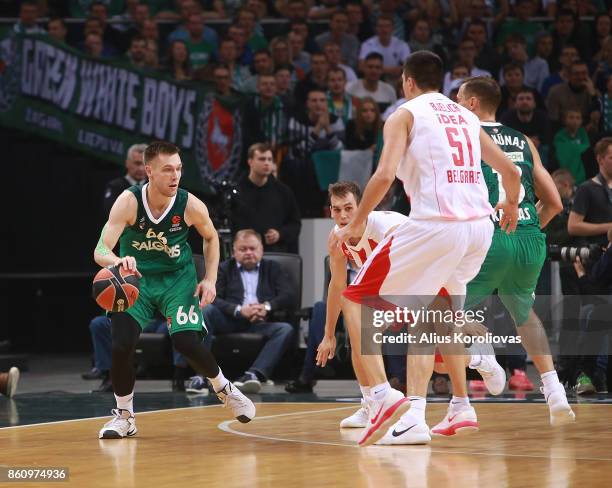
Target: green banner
x=101 y=107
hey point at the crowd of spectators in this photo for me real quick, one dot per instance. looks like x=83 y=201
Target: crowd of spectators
x=324 y=75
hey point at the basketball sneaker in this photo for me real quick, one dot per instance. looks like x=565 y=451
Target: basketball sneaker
x=492 y=373
x=358 y=420
x=248 y=383
x=383 y=414
x=406 y=431
x=457 y=422
x=122 y=425
x=560 y=411
x=242 y=408
x=9 y=381
x=520 y=381
x=197 y=385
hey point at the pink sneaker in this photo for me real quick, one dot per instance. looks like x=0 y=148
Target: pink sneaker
x=520 y=381
x=462 y=422
x=383 y=414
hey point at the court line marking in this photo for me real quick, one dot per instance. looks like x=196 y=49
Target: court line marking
x=225 y=427
x=156 y=411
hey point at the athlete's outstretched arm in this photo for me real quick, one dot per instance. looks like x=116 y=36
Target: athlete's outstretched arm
x=196 y=214
x=337 y=284
x=549 y=203
x=123 y=213
x=396 y=131
x=511 y=180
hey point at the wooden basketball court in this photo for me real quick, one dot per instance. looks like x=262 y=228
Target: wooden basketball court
x=300 y=444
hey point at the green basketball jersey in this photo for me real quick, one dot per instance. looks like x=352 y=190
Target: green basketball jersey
x=159 y=245
x=515 y=146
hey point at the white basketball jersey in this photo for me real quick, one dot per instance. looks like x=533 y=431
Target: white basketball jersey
x=377 y=225
x=441 y=170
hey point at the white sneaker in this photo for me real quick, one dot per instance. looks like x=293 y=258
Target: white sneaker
x=492 y=373
x=383 y=414
x=358 y=420
x=242 y=408
x=123 y=425
x=560 y=411
x=406 y=431
x=457 y=422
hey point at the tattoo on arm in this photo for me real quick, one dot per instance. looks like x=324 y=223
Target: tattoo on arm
x=101 y=248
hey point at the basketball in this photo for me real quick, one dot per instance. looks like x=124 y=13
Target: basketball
x=115 y=288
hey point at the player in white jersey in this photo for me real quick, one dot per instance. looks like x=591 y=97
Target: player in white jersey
x=344 y=199
x=434 y=146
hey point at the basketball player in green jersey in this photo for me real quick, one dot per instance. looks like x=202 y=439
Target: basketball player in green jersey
x=514 y=261
x=151 y=224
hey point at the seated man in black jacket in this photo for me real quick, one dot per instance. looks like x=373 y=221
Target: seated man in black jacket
x=135 y=175
x=266 y=205
x=249 y=288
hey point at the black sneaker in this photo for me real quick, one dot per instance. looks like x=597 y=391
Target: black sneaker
x=600 y=381
x=297 y=386
x=94 y=374
x=106 y=386
x=248 y=383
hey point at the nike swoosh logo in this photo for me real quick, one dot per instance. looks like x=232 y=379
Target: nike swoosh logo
x=377 y=415
x=396 y=433
x=450 y=419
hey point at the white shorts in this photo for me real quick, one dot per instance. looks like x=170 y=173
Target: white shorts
x=423 y=258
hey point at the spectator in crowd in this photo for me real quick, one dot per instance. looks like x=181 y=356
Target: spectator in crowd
x=295 y=10
x=578 y=92
x=456 y=75
x=177 y=62
x=279 y=48
x=245 y=54
x=28 y=19
x=371 y=85
x=399 y=91
x=421 y=40
x=111 y=36
x=486 y=56
x=525 y=117
x=349 y=44
x=568 y=56
x=390 y=8
x=260 y=7
x=150 y=31
x=601 y=33
x=223 y=81
x=93 y=25
x=604 y=66
x=365 y=130
x=228 y=55
x=315 y=79
x=556 y=230
x=301 y=27
x=466 y=54
x=247 y=18
x=544 y=48
x=591 y=215
x=9 y=381
x=300 y=59
x=264 y=116
x=265 y=204
x=535 y=70
x=314 y=130
x=262 y=65
x=283 y=75
x=135 y=175
x=324 y=10
x=513 y=83
x=605 y=108
x=357 y=25
x=394 y=51
x=250 y=289
x=137 y=52
x=331 y=49
x=566 y=32
x=151 y=54
x=186 y=9
x=94 y=46
x=340 y=103
x=569 y=143
x=57 y=29
x=521 y=24
x=200 y=50
x=130 y=21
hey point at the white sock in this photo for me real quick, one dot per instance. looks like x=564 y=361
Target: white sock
x=459 y=403
x=218 y=382
x=365 y=392
x=550 y=380
x=417 y=407
x=378 y=392
x=126 y=402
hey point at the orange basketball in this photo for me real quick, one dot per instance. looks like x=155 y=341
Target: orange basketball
x=115 y=288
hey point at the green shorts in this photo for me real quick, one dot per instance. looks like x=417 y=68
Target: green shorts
x=512 y=267
x=172 y=295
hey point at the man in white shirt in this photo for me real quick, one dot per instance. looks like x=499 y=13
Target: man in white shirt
x=371 y=86
x=466 y=54
x=393 y=50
